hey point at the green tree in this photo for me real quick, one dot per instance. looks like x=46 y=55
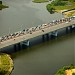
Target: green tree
x=50 y=8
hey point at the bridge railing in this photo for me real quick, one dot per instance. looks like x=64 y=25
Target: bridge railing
x=37 y=28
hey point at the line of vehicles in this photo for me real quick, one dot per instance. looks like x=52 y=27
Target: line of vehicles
x=33 y=29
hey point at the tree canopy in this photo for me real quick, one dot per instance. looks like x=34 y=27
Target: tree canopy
x=50 y=8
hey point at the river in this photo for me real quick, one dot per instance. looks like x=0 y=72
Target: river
x=42 y=58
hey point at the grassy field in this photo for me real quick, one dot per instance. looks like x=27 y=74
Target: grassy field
x=40 y=1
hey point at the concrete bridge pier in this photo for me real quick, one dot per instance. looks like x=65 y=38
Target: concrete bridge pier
x=71 y=29
x=26 y=43
x=17 y=46
x=67 y=29
x=54 y=33
x=47 y=36
x=43 y=37
x=74 y=27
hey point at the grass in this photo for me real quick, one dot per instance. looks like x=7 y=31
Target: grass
x=40 y=1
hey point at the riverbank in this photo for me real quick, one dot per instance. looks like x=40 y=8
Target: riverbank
x=40 y=1
x=6 y=64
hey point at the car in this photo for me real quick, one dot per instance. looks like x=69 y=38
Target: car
x=0 y=39
x=67 y=22
x=38 y=27
x=32 y=29
x=74 y=16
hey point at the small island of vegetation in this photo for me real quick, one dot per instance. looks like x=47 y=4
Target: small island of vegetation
x=6 y=64
x=2 y=6
x=59 y=6
x=62 y=5
x=40 y=1
x=66 y=70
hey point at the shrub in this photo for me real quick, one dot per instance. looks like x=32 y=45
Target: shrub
x=50 y=8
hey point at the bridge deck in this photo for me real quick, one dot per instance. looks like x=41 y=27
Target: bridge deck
x=36 y=33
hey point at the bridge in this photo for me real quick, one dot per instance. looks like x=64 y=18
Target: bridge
x=39 y=30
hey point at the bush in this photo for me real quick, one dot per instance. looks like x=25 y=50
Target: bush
x=50 y=8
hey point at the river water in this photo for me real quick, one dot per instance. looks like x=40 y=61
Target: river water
x=43 y=58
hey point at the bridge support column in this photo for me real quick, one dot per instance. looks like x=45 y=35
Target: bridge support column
x=71 y=28
x=74 y=27
x=55 y=33
x=43 y=37
x=27 y=43
x=15 y=47
x=66 y=29
x=47 y=35
x=19 y=46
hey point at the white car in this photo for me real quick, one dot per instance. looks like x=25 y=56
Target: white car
x=74 y=16
x=67 y=22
